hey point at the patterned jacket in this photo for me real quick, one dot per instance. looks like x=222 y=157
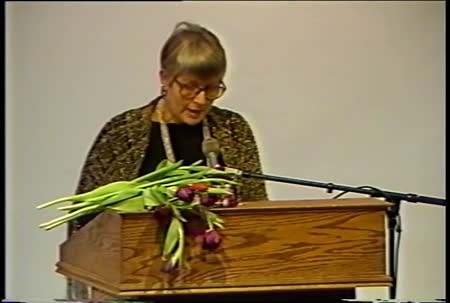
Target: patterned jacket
x=119 y=149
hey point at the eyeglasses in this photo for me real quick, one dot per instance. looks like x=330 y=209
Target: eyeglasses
x=190 y=91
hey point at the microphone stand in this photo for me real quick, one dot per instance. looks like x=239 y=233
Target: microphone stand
x=393 y=212
x=330 y=187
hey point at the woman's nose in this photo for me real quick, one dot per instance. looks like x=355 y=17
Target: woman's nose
x=200 y=98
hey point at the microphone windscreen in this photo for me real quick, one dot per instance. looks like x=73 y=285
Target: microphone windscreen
x=210 y=145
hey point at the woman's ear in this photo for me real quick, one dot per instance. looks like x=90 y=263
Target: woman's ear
x=165 y=81
x=163 y=78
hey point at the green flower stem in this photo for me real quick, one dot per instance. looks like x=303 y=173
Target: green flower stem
x=76 y=206
x=218 y=181
x=172 y=180
x=69 y=216
x=194 y=166
x=99 y=191
x=208 y=181
x=157 y=174
x=182 y=183
x=178 y=255
x=121 y=196
x=213 y=220
x=182 y=180
x=177 y=214
x=63 y=217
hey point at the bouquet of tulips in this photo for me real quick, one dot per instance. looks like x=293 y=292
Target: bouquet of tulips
x=171 y=191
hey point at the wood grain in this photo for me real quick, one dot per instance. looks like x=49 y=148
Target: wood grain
x=267 y=245
x=96 y=248
x=306 y=248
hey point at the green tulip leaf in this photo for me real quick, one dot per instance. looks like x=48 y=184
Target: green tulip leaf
x=157 y=196
x=133 y=205
x=149 y=200
x=172 y=236
x=163 y=164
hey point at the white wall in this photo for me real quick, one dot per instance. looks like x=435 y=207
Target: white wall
x=343 y=92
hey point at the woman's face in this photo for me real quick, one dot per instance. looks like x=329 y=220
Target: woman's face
x=189 y=97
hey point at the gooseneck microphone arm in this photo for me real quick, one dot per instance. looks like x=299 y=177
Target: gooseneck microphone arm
x=330 y=187
x=211 y=148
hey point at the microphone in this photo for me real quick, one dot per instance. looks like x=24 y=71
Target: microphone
x=211 y=148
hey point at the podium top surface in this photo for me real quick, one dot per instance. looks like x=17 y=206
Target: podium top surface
x=371 y=203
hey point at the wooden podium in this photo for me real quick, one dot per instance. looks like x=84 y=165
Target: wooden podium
x=269 y=246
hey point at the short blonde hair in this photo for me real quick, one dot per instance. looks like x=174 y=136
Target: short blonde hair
x=192 y=48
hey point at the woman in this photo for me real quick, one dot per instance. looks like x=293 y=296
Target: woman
x=173 y=125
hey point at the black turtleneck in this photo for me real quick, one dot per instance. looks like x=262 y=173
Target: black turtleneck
x=186 y=143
